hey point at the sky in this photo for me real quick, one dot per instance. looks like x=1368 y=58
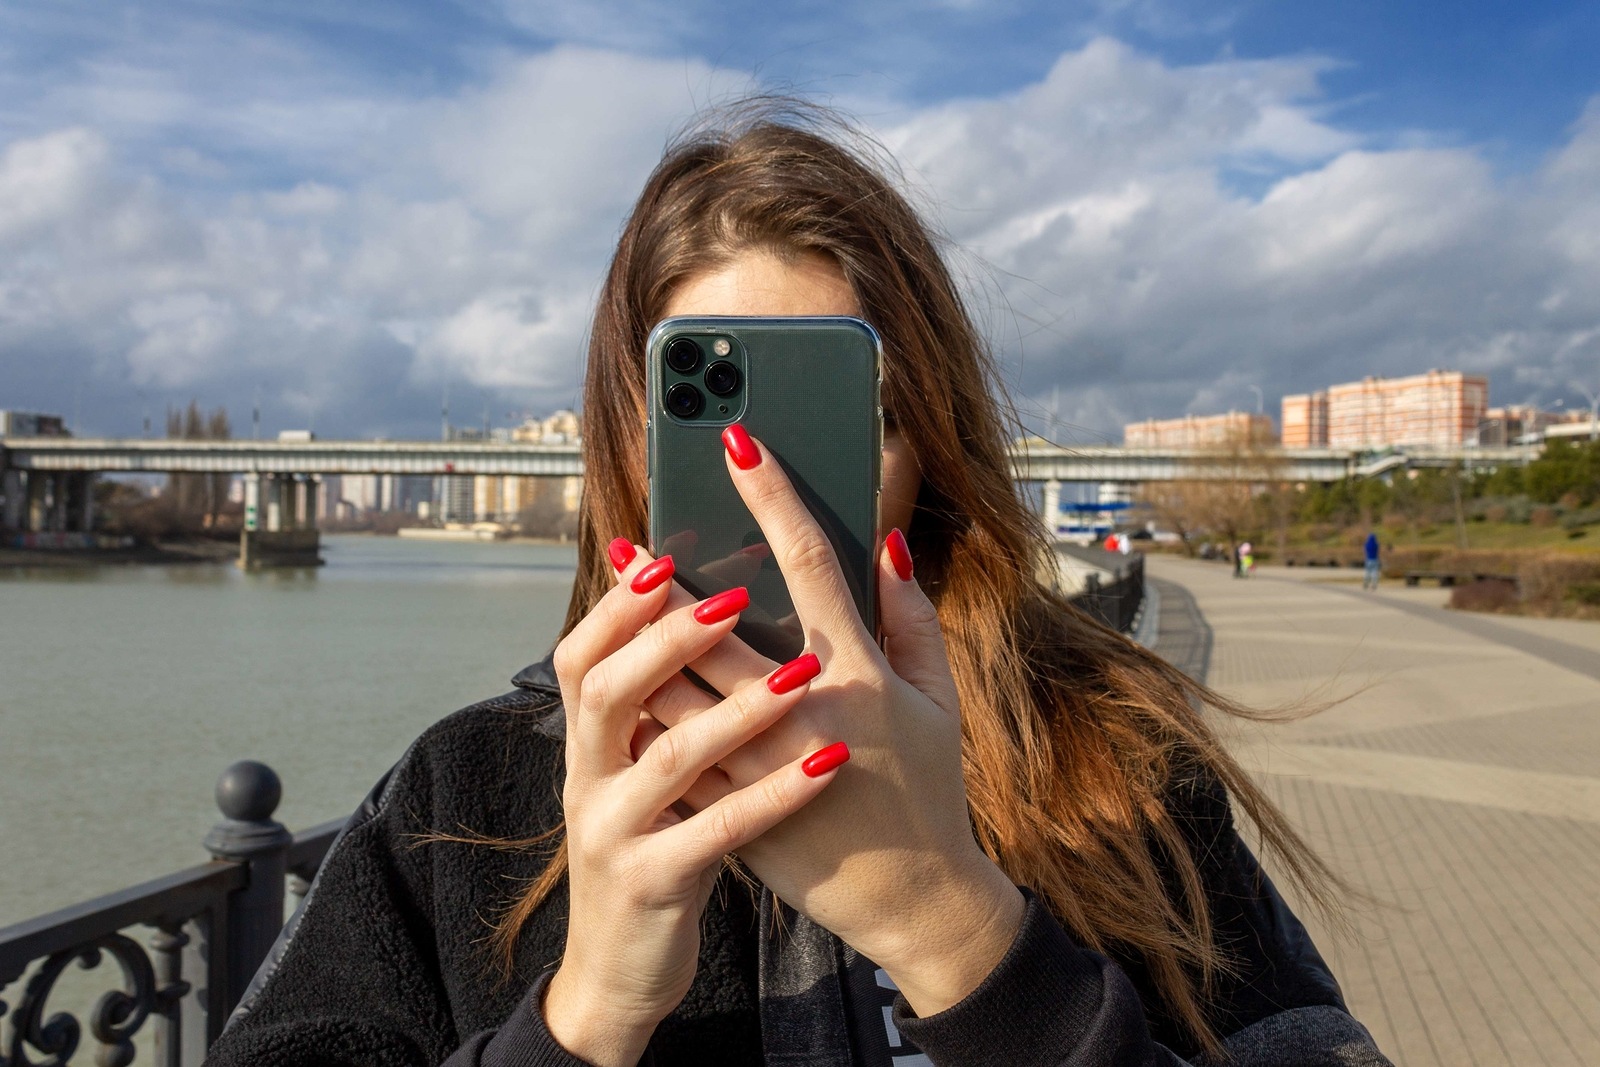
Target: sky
x=344 y=216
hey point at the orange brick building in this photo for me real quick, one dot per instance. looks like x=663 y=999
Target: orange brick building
x=1442 y=409
x=1305 y=420
x=1200 y=431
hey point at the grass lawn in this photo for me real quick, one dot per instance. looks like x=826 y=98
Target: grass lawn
x=1489 y=535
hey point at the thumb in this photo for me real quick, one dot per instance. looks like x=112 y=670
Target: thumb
x=912 y=640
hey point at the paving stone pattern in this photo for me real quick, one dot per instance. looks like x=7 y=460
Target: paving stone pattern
x=1431 y=787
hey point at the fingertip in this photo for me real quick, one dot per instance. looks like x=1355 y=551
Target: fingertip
x=742 y=448
x=899 y=554
x=652 y=576
x=826 y=760
x=621 y=552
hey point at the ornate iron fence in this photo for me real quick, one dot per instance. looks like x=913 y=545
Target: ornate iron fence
x=210 y=927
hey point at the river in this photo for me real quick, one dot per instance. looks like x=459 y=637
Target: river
x=124 y=692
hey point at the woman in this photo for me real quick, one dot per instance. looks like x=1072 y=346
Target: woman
x=1005 y=837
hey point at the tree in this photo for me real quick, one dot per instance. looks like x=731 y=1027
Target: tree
x=1226 y=490
x=196 y=500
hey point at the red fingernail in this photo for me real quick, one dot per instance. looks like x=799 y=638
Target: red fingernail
x=899 y=554
x=821 y=762
x=621 y=553
x=725 y=605
x=652 y=575
x=743 y=450
x=794 y=674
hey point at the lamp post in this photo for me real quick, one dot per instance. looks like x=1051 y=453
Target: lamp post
x=1260 y=399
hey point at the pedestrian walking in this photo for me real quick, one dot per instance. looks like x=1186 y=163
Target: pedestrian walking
x=1002 y=834
x=1374 y=568
x=1247 y=559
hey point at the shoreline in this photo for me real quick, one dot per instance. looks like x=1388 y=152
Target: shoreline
x=162 y=553
x=202 y=551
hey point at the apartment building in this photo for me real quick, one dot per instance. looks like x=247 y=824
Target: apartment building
x=503 y=498
x=1304 y=418
x=1441 y=409
x=1200 y=431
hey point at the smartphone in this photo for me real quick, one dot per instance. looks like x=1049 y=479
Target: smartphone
x=808 y=389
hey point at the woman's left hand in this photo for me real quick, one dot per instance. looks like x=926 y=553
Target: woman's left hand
x=886 y=858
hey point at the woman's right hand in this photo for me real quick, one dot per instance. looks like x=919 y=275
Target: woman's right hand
x=639 y=874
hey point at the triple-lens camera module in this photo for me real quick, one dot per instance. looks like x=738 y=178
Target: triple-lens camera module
x=702 y=378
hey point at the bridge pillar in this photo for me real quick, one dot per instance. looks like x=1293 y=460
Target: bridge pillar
x=79 y=501
x=252 y=500
x=280 y=527
x=37 y=516
x=313 y=483
x=61 y=501
x=1052 y=508
x=273 y=490
x=13 y=486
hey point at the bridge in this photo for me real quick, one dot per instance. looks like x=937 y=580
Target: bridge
x=45 y=482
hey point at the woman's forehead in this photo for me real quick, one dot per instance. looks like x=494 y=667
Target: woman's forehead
x=763 y=283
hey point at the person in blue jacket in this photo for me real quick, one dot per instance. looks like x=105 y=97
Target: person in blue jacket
x=1374 y=568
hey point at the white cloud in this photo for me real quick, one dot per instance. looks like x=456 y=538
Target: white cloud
x=45 y=181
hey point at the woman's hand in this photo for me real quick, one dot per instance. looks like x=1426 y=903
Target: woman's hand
x=639 y=874
x=887 y=859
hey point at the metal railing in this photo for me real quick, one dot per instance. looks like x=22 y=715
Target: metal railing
x=1115 y=603
x=210 y=928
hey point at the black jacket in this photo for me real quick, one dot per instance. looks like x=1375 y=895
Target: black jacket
x=385 y=962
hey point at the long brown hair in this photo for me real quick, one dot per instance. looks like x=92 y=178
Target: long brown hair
x=1074 y=737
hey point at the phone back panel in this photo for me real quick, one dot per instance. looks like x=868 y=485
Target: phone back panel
x=811 y=396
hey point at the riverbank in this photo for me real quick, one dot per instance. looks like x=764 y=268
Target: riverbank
x=159 y=554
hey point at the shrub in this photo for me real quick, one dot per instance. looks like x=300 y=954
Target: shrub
x=1488 y=594
x=1586 y=517
x=1543 y=515
x=1551 y=580
x=1496 y=512
x=1585 y=593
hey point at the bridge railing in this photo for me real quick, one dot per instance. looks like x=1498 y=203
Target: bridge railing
x=186 y=945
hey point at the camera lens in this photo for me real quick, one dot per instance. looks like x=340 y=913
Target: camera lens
x=684 y=400
x=683 y=355
x=722 y=378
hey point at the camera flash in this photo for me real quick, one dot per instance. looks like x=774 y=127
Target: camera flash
x=721 y=346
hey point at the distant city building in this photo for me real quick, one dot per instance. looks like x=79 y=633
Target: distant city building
x=1441 y=409
x=1524 y=423
x=506 y=498
x=31 y=424
x=1305 y=420
x=1200 y=431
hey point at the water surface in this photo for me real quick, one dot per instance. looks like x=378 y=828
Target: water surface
x=125 y=690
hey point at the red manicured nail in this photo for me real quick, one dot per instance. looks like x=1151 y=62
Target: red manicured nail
x=899 y=554
x=821 y=762
x=794 y=674
x=725 y=605
x=743 y=450
x=652 y=575
x=621 y=552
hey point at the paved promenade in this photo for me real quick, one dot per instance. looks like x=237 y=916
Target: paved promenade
x=1459 y=781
